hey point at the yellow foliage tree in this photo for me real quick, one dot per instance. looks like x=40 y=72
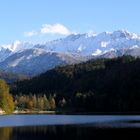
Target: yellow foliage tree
x=6 y=99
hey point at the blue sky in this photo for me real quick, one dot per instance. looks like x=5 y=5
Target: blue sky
x=43 y=20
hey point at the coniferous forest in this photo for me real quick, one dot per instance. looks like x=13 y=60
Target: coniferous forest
x=101 y=85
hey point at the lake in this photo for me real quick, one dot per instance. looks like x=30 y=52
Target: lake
x=69 y=127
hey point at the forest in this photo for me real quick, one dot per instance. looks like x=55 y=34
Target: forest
x=101 y=85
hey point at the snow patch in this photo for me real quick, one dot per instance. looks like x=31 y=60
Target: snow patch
x=12 y=47
x=90 y=34
x=104 y=44
x=112 y=49
x=38 y=52
x=16 y=62
x=133 y=47
x=97 y=52
x=81 y=48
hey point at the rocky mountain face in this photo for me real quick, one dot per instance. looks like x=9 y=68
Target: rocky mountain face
x=33 y=59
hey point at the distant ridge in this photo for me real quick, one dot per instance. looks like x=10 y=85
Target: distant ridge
x=33 y=59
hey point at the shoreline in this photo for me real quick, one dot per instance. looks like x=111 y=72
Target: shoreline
x=34 y=112
x=30 y=112
x=76 y=113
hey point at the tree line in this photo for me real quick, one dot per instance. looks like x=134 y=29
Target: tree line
x=102 y=85
x=34 y=102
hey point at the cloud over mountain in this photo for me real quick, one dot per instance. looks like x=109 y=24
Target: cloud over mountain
x=30 y=33
x=19 y=57
x=55 y=29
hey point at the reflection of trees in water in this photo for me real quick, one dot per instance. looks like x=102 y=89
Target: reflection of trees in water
x=35 y=129
x=26 y=133
x=69 y=132
x=5 y=133
x=44 y=132
x=33 y=133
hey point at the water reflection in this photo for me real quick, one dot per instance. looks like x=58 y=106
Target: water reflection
x=5 y=133
x=71 y=132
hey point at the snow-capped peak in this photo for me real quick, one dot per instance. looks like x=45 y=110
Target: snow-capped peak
x=134 y=47
x=97 y=52
x=34 y=58
x=17 y=46
x=90 y=34
x=83 y=44
x=12 y=47
x=89 y=43
x=125 y=34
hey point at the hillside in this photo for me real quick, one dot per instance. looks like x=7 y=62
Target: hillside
x=33 y=59
x=12 y=77
x=96 y=85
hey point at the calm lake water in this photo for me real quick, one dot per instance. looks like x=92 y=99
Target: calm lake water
x=69 y=127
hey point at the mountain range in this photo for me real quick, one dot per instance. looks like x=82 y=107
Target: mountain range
x=33 y=59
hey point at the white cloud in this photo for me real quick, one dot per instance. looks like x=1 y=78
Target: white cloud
x=50 y=29
x=55 y=29
x=31 y=33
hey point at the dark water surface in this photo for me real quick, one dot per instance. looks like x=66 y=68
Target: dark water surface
x=69 y=127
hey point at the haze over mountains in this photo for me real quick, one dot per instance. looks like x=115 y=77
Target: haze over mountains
x=33 y=59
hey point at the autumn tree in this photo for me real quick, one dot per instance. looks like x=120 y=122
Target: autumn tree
x=6 y=99
x=52 y=102
x=46 y=103
x=34 y=101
